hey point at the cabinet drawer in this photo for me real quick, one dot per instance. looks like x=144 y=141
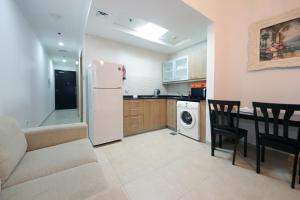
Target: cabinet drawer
x=133 y=124
x=133 y=107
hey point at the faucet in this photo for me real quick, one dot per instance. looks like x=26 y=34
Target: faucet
x=180 y=94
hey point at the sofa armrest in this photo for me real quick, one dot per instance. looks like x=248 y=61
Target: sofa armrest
x=41 y=137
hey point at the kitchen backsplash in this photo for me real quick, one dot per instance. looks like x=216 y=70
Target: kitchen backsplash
x=179 y=88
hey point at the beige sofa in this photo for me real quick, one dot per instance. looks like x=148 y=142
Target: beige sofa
x=54 y=162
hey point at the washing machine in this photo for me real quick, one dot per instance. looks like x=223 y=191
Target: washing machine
x=188 y=119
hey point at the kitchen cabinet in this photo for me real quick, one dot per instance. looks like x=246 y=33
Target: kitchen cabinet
x=143 y=115
x=191 y=67
x=197 y=64
x=176 y=70
x=133 y=119
x=154 y=114
x=168 y=72
x=181 y=67
x=172 y=114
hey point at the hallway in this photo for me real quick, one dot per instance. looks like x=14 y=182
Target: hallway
x=62 y=117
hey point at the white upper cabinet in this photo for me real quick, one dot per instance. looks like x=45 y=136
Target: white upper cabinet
x=186 y=67
x=181 y=68
x=176 y=70
x=168 y=71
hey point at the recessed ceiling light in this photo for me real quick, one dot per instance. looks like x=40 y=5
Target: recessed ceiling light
x=61 y=44
x=151 y=31
x=64 y=60
x=101 y=62
x=76 y=62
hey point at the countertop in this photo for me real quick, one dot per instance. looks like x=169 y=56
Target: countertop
x=178 y=98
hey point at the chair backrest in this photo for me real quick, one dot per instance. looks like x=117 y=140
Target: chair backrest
x=279 y=115
x=221 y=114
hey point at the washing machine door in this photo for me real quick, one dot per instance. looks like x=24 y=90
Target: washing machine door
x=187 y=119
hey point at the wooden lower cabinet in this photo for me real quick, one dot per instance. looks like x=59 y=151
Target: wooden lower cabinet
x=133 y=125
x=172 y=114
x=151 y=114
x=144 y=115
x=154 y=114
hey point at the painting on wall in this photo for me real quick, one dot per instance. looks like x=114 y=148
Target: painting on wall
x=275 y=42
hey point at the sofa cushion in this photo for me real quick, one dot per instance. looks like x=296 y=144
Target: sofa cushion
x=50 y=160
x=13 y=146
x=82 y=182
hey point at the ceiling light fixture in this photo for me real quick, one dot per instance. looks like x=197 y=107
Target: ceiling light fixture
x=76 y=62
x=151 y=31
x=64 y=60
x=61 y=44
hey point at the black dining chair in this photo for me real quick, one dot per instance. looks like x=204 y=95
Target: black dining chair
x=274 y=136
x=224 y=121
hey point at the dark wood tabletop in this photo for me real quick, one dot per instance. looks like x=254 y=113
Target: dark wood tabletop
x=250 y=116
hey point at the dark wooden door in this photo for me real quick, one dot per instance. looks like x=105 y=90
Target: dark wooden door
x=65 y=89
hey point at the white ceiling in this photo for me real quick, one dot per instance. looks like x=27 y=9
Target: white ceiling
x=173 y=15
x=48 y=17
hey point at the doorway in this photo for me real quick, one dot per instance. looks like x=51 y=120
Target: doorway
x=65 y=90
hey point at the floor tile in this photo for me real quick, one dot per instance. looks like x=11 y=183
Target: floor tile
x=158 y=165
x=68 y=116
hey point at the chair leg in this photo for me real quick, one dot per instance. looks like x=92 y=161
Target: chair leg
x=257 y=158
x=294 y=171
x=213 y=142
x=234 y=150
x=245 y=146
x=263 y=153
x=220 y=141
x=299 y=170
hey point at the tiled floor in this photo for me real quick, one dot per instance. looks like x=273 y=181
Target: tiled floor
x=160 y=166
x=62 y=117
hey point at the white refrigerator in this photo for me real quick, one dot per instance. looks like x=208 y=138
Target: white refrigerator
x=104 y=102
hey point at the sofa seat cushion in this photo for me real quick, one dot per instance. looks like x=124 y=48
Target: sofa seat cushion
x=13 y=146
x=83 y=182
x=50 y=160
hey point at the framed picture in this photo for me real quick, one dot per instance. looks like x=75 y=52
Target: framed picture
x=275 y=43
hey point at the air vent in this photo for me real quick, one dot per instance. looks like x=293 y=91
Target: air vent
x=62 y=51
x=99 y=12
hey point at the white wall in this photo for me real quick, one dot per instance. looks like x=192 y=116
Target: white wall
x=231 y=80
x=143 y=67
x=26 y=73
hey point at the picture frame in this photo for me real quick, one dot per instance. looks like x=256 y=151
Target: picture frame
x=275 y=42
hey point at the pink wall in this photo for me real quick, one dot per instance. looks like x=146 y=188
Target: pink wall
x=231 y=79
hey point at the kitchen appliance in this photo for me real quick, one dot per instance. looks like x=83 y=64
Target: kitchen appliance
x=188 y=119
x=156 y=92
x=104 y=102
x=198 y=93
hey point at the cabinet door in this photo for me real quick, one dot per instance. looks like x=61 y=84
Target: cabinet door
x=133 y=124
x=150 y=111
x=162 y=115
x=168 y=71
x=197 y=64
x=181 y=69
x=154 y=114
x=172 y=114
